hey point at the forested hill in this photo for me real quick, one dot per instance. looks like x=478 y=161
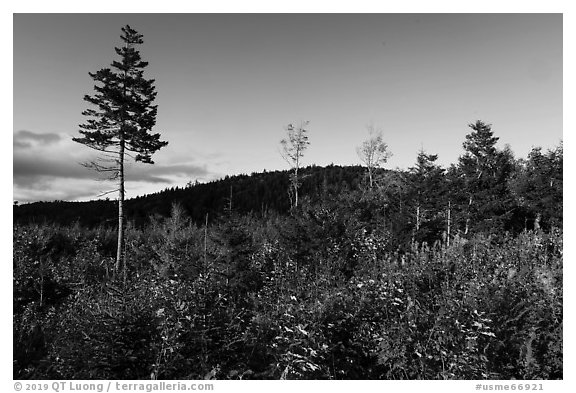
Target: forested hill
x=259 y=193
x=488 y=190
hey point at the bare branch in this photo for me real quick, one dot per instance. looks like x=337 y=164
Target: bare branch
x=107 y=192
x=113 y=172
x=102 y=149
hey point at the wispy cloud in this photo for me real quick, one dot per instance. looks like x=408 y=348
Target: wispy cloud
x=31 y=167
x=163 y=173
x=48 y=166
x=58 y=189
x=24 y=139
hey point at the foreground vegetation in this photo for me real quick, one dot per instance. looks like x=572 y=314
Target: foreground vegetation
x=312 y=295
x=428 y=273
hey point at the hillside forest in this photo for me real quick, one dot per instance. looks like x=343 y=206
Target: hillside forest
x=423 y=273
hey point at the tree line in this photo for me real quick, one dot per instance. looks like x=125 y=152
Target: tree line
x=488 y=189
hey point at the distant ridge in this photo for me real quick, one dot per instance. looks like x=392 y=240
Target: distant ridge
x=259 y=194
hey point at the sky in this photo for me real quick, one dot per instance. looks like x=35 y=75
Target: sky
x=228 y=84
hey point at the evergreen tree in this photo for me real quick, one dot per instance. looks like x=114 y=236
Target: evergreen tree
x=485 y=170
x=122 y=121
x=537 y=186
x=476 y=166
x=427 y=188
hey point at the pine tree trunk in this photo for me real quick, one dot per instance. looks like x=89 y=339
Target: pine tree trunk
x=206 y=244
x=41 y=282
x=120 y=251
x=230 y=201
x=467 y=228
x=448 y=229
x=417 y=228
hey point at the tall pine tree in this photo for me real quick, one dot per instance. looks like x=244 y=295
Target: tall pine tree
x=122 y=121
x=485 y=170
x=427 y=188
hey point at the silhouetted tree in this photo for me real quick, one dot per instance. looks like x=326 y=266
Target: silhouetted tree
x=122 y=121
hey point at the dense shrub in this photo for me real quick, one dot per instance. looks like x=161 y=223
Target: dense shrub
x=317 y=295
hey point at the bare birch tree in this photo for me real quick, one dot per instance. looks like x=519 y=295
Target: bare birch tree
x=373 y=152
x=293 y=148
